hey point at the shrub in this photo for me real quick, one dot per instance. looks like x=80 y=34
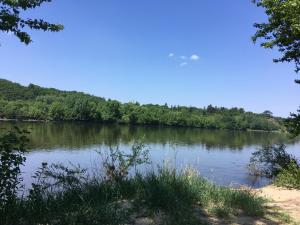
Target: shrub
x=289 y=177
x=12 y=149
x=270 y=160
x=117 y=163
x=274 y=162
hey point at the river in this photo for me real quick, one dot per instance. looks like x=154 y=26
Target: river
x=219 y=155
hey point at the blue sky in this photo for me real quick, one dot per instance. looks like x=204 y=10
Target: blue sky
x=132 y=51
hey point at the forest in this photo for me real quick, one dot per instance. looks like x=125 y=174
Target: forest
x=48 y=104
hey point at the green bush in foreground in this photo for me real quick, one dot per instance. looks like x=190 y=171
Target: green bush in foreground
x=12 y=149
x=270 y=160
x=289 y=177
x=273 y=161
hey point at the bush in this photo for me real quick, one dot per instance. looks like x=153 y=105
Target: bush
x=270 y=160
x=289 y=177
x=12 y=149
x=274 y=162
x=117 y=164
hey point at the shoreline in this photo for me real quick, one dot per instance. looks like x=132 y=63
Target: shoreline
x=17 y=120
x=145 y=125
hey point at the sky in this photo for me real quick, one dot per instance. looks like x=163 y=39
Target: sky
x=190 y=52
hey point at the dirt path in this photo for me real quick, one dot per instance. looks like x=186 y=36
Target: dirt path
x=286 y=200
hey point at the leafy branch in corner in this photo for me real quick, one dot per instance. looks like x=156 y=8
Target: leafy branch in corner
x=12 y=22
x=282 y=30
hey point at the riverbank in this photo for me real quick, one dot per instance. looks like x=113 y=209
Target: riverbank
x=286 y=200
x=18 y=120
x=159 y=198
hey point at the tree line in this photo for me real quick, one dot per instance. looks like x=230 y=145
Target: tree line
x=37 y=103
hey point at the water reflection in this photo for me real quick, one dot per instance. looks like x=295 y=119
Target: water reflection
x=81 y=135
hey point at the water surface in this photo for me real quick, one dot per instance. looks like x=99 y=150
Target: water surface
x=220 y=156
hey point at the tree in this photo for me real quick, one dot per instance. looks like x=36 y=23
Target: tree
x=211 y=109
x=12 y=148
x=56 y=111
x=267 y=113
x=282 y=29
x=293 y=124
x=111 y=111
x=11 y=21
x=33 y=102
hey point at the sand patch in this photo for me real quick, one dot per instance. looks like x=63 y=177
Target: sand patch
x=285 y=199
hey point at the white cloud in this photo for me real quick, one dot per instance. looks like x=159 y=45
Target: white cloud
x=183 y=57
x=183 y=64
x=171 y=54
x=194 y=57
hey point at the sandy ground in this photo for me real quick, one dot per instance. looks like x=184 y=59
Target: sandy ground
x=281 y=202
x=286 y=200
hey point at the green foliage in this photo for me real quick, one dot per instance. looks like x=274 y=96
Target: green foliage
x=273 y=161
x=179 y=194
x=267 y=113
x=64 y=195
x=12 y=149
x=56 y=111
x=293 y=124
x=270 y=160
x=33 y=102
x=11 y=20
x=289 y=177
x=117 y=163
x=282 y=29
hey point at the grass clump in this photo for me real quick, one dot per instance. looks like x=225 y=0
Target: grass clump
x=179 y=194
x=64 y=196
x=289 y=177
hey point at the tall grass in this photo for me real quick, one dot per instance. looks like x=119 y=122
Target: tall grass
x=180 y=198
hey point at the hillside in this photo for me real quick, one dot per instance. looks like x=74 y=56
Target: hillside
x=38 y=103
